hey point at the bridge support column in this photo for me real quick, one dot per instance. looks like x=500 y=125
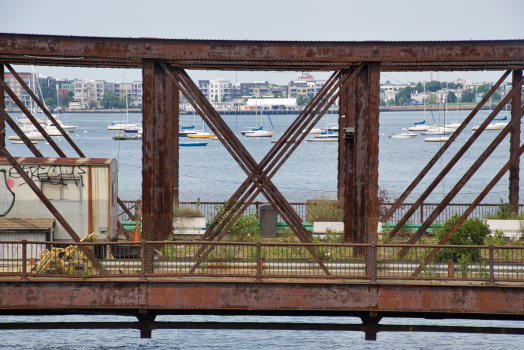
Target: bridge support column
x=370 y=322
x=514 y=142
x=144 y=321
x=358 y=157
x=160 y=154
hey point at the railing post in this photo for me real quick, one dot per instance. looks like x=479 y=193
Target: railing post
x=259 y=264
x=24 y=260
x=256 y=205
x=373 y=262
x=421 y=212
x=491 y=272
x=143 y=261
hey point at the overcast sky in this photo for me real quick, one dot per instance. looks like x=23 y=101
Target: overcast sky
x=336 y=20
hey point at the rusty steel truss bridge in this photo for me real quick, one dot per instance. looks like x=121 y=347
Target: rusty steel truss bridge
x=356 y=68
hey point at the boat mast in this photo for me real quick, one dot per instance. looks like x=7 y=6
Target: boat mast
x=127 y=106
x=57 y=102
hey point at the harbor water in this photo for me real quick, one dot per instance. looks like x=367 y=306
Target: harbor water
x=210 y=173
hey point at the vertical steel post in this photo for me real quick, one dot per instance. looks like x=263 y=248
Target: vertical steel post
x=148 y=154
x=2 y=107
x=24 y=260
x=143 y=261
x=346 y=165
x=373 y=262
x=342 y=123
x=175 y=142
x=514 y=144
x=491 y=269
x=259 y=264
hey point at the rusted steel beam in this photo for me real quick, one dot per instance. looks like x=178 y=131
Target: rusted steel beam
x=277 y=326
x=182 y=296
x=32 y=119
x=443 y=149
x=305 y=133
x=514 y=143
x=20 y=133
x=147 y=138
x=248 y=162
x=175 y=154
x=454 y=160
x=46 y=111
x=470 y=209
x=347 y=159
x=294 y=137
x=126 y=209
x=462 y=182
x=52 y=209
x=2 y=106
x=222 y=129
x=194 y=91
x=124 y=230
x=225 y=54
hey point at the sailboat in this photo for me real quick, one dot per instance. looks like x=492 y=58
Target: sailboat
x=258 y=131
x=50 y=128
x=187 y=130
x=501 y=124
x=28 y=124
x=201 y=134
x=421 y=126
x=118 y=125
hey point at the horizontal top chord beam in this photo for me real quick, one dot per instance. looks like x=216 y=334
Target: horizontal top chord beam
x=77 y=51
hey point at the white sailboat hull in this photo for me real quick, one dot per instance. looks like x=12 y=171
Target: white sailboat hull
x=494 y=126
x=260 y=133
x=419 y=128
x=436 y=139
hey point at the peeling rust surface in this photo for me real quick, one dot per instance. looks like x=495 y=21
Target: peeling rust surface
x=80 y=51
x=262 y=297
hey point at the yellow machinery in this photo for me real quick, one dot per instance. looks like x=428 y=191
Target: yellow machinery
x=67 y=261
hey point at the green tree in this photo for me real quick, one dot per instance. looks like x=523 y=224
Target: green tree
x=404 y=95
x=110 y=100
x=419 y=87
x=467 y=96
x=391 y=102
x=301 y=100
x=451 y=98
x=123 y=101
x=432 y=99
x=471 y=232
x=483 y=88
x=93 y=104
x=50 y=101
x=223 y=98
x=216 y=98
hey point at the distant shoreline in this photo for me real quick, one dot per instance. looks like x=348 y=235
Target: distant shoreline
x=276 y=112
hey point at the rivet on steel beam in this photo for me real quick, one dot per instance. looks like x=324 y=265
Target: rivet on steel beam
x=148 y=46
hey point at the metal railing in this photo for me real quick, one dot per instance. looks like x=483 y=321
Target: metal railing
x=210 y=209
x=260 y=260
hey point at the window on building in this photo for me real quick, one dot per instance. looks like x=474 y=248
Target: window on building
x=59 y=189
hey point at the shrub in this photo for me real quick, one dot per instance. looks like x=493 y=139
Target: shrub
x=324 y=209
x=187 y=212
x=244 y=229
x=504 y=212
x=471 y=232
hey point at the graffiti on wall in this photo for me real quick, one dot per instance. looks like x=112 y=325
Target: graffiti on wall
x=7 y=197
x=54 y=174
